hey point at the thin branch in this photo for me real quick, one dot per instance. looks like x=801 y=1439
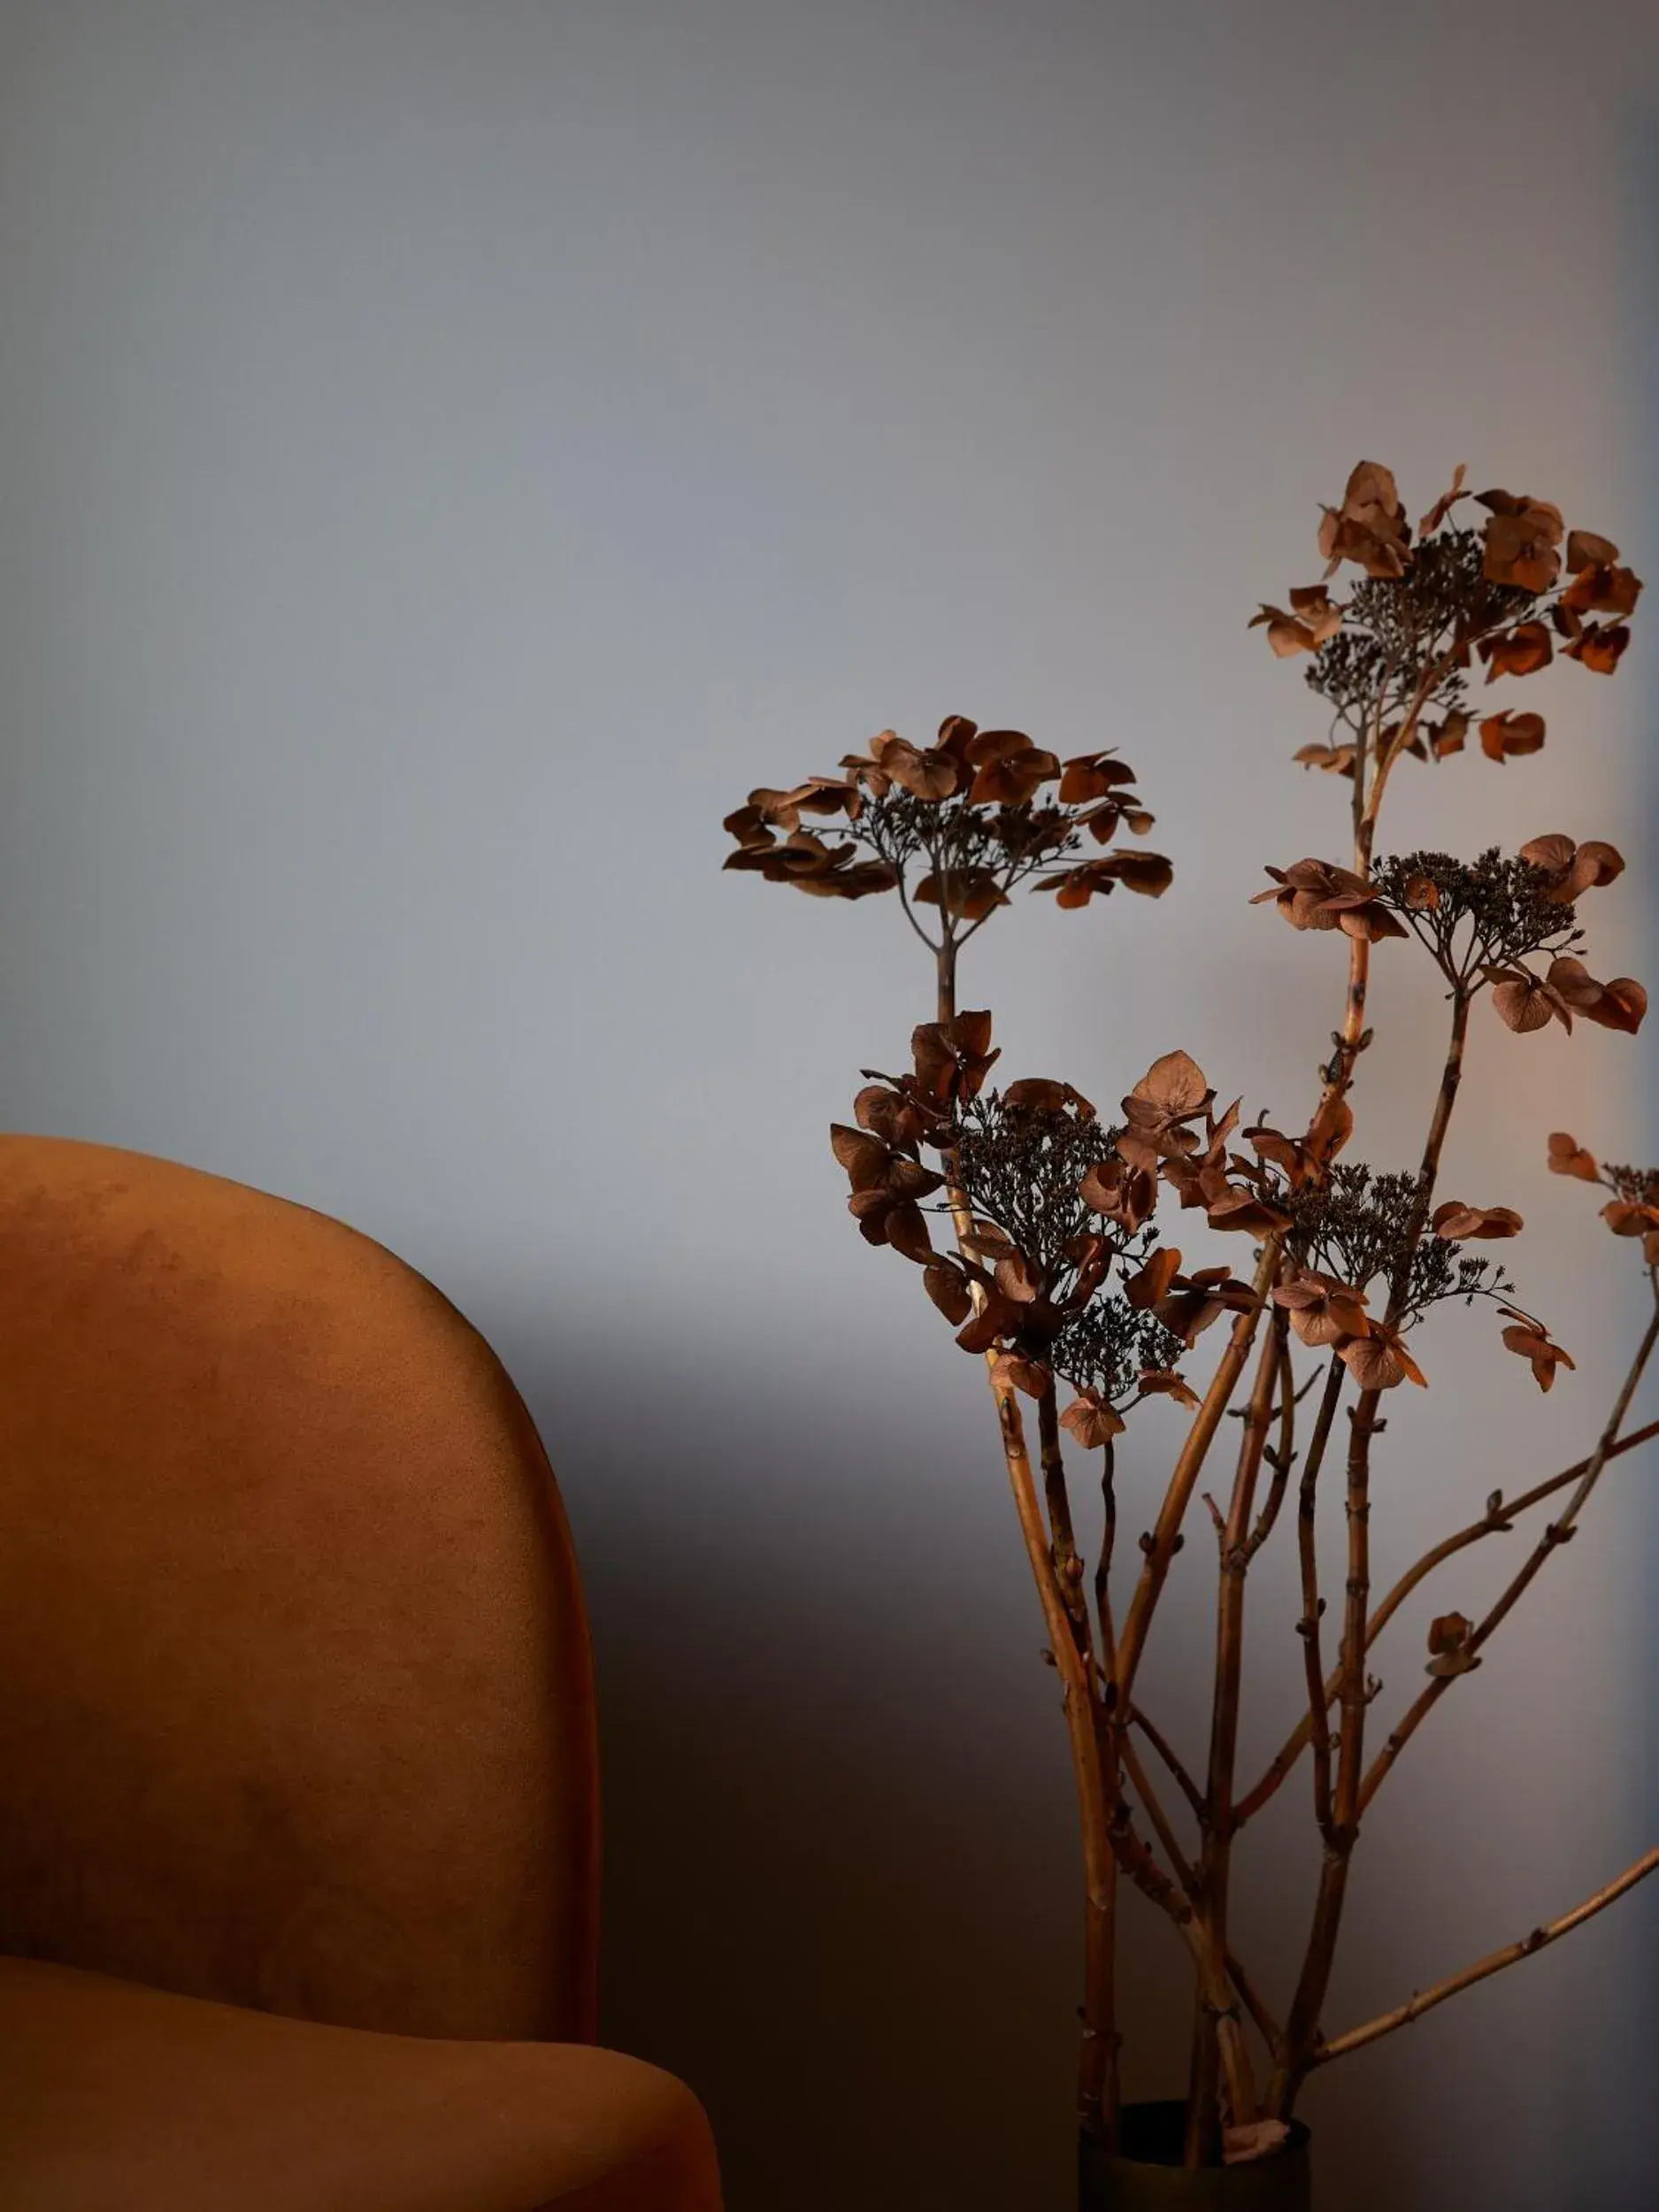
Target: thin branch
x=1203 y=2117
x=1489 y=1525
x=1353 y=1696
x=1558 y=1533
x=1103 y=1569
x=931 y=943
x=1098 y=2082
x=1494 y=1522
x=1184 y=1873
x=1162 y=1545
x=1068 y=1566
x=1282 y=1457
x=1253 y=2002
x=1493 y=1963
x=1318 y=1705
x=1188 y=1788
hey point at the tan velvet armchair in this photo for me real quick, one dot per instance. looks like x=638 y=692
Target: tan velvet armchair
x=298 y=1802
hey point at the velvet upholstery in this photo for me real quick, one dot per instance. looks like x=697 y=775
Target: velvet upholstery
x=296 y=1719
x=114 y=2097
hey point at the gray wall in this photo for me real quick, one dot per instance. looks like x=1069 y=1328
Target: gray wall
x=447 y=454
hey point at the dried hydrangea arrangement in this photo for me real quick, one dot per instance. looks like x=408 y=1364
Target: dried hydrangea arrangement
x=1032 y=1221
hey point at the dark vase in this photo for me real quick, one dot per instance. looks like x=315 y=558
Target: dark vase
x=1145 y=2174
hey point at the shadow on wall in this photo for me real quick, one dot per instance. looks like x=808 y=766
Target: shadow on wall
x=842 y=1889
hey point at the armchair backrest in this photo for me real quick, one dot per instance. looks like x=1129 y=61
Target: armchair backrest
x=295 y=1693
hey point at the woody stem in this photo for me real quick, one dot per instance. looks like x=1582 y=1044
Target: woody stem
x=1302 y=2026
x=1203 y=2116
x=1367 y=809
x=1093 y=1762
x=1161 y=1545
x=1307 y=1553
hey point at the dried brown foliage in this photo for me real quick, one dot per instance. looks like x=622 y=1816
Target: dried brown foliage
x=1035 y=1222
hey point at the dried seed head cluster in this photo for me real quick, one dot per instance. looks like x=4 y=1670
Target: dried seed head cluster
x=953 y=827
x=1029 y=1280
x=1401 y=649
x=1482 y=920
x=1355 y=1228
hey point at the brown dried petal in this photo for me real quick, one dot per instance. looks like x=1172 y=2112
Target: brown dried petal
x=1598 y=647
x=952 y=1058
x=1523 y=1002
x=1091 y=1420
x=1602 y=589
x=1152 y=1280
x=1586 y=550
x=1321 y=1309
x=747 y=826
x=1443 y=505
x=1368 y=919
x=1448 y=737
x=1175 y=1084
x=1148 y=875
x=1518 y=652
x=1164 y=1382
x=887 y=1115
x=1124 y=1193
x=1529 y=1339
x=930 y=775
x=967 y=894
x=1627 y=1219
x=1013 y=1372
x=947 y=1287
x=864 y=1156
x=1013 y=780
x=1336 y=760
x=1379 y=1361
x=1248 y=1211
x=1251 y=2139
x=1509 y=733
x=1041 y=1094
x=1330 y=1129
x=1522 y=541
x=1457 y=1224
x=1089 y=776
x=1622 y=1005
x=1573 y=869
x=1567 y=1156
x=1370 y=526
x=990 y=1242
x=1307 y=626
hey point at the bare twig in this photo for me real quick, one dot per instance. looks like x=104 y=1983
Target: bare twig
x=1302 y=2027
x=1188 y=1466
x=1098 y=2083
x=1189 y=1788
x=1282 y=1457
x=1490 y=1524
x=1414 y=2007
x=1556 y=1535
x=1202 y=2117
